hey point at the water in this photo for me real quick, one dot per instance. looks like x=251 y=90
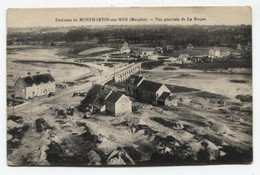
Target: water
x=211 y=82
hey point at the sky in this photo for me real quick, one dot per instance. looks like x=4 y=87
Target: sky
x=62 y=17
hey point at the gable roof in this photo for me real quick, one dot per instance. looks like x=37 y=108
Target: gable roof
x=114 y=97
x=37 y=79
x=190 y=46
x=164 y=96
x=96 y=96
x=150 y=86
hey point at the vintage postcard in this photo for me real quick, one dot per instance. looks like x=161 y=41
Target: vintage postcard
x=143 y=86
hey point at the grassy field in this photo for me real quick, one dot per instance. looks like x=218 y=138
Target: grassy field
x=96 y=51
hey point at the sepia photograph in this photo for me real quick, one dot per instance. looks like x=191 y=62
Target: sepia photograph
x=143 y=86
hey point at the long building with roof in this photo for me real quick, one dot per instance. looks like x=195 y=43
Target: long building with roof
x=149 y=91
x=34 y=85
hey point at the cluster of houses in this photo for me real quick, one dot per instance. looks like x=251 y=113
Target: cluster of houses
x=149 y=91
x=139 y=52
x=246 y=47
x=188 y=55
x=34 y=85
x=101 y=99
x=198 y=54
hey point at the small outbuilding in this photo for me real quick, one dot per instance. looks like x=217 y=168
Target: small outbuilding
x=167 y=99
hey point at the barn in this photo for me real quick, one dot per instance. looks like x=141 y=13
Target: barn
x=34 y=85
x=149 y=91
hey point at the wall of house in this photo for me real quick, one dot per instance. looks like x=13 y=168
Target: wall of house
x=162 y=89
x=130 y=88
x=214 y=53
x=147 y=96
x=110 y=107
x=19 y=89
x=171 y=102
x=39 y=90
x=123 y=105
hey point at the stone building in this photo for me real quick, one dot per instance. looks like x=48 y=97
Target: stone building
x=34 y=85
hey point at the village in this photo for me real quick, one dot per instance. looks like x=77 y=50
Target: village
x=128 y=104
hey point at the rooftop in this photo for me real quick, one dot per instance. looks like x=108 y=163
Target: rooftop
x=114 y=97
x=38 y=79
x=150 y=86
x=96 y=96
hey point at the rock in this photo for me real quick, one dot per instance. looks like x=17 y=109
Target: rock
x=41 y=125
x=17 y=119
x=94 y=158
x=220 y=128
x=244 y=98
x=119 y=157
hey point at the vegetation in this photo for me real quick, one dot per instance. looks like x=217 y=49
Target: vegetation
x=169 y=68
x=178 y=36
x=152 y=64
x=220 y=64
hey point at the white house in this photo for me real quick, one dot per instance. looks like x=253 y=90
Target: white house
x=183 y=58
x=214 y=53
x=239 y=47
x=34 y=85
x=153 y=57
x=125 y=48
x=146 y=52
x=118 y=103
x=190 y=46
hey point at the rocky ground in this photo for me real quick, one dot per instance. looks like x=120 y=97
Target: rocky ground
x=199 y=130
